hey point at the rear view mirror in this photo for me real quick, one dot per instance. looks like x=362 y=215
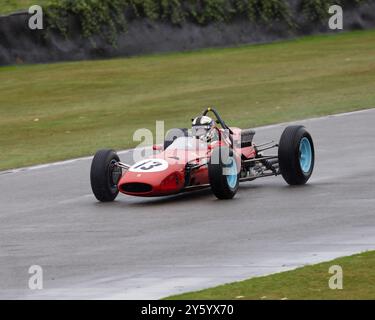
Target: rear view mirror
x=157 y=147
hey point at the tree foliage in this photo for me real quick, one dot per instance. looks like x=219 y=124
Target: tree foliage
x=107 y=18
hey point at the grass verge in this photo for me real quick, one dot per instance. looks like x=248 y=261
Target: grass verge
x=9 y=6
x=58 y=111
x=310 y=282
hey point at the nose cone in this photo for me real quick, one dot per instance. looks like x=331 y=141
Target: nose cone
x=153 y=177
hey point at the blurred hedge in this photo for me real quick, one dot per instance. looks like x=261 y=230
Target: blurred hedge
x=109 y=17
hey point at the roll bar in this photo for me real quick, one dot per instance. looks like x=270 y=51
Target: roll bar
x=221 y=121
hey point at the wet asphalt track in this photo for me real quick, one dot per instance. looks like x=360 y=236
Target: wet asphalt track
x=150 y=248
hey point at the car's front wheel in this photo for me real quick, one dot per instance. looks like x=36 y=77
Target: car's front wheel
x=105 y=175
x=223 y=173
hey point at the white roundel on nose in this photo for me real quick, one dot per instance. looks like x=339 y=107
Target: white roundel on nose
x=150 y=165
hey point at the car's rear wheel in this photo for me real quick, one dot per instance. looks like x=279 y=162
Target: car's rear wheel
x=173 y=134
x=296 y=155
x=223 y=173
x=105 y=175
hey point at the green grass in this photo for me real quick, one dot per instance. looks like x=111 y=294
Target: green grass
x=8 y=6
x=310 y=282
x=57 y=111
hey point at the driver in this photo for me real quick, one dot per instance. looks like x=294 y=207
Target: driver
x=203 y=128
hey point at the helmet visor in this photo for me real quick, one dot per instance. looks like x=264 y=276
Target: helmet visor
x=199 y=131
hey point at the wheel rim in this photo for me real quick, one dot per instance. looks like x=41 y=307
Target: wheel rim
x=305 y=155
x=115 y=174
x=232 y=174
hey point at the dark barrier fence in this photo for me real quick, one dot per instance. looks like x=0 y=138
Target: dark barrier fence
x=19 y=44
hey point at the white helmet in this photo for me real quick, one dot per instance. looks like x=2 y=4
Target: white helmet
x=202 y=127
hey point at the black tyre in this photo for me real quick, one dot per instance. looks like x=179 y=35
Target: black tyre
x=296 y=155
x=105 y=175
x=223 y=173
x=173 y=134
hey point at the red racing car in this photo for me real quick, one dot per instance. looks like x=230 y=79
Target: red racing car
x=211 y=154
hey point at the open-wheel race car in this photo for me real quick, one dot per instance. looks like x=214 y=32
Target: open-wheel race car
x=211 y=154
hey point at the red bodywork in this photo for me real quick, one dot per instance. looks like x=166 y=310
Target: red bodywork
x=173 y=178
